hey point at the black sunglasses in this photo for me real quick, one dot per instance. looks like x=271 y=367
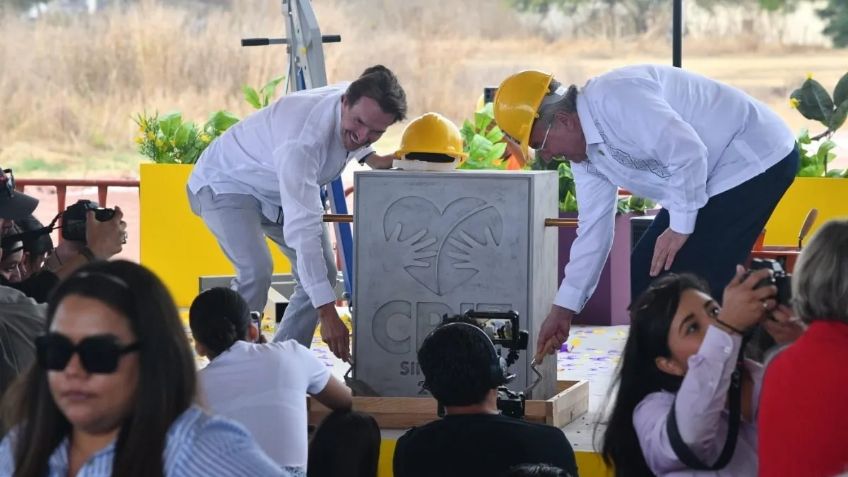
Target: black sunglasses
x=98 y=354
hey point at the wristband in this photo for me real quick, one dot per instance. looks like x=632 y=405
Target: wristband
x=87 y=253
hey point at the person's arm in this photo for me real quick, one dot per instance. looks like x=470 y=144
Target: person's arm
x=597 y=198
x=376 y=161
x=103 y=241
x=300 y=195
x=698 y=406
x=702 y=397
x=335 y=395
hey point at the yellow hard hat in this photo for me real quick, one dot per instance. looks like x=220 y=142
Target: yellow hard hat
x=432 y=133
x=517 y=104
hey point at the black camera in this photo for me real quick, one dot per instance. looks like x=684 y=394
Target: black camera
x=73 y=219
x=778 y=278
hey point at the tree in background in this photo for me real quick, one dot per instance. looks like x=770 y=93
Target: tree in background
x=836 y=16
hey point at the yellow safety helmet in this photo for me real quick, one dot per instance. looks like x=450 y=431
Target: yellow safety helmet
x=517 y=104
x=429 y=137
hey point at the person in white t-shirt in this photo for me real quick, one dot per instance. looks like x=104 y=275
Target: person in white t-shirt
x=263 y=386
x=263 y=178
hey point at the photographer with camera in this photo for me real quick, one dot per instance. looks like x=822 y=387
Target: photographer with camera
x=684 y=397
x=463 y=371
x=90 y=233
x=803 y=420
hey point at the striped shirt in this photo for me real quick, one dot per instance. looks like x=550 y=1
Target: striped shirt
x=197 y=444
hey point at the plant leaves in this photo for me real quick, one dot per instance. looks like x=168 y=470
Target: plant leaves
x=220 y=121
x=840 y=92
x=168 y=123
x=835 y=173
x=270 y=88
x=251 y=96
x=838 y=117
x=814 y=102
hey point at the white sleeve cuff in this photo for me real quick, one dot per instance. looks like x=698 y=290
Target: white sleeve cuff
x=321 y=294
x=682 y=221
x=570 y=298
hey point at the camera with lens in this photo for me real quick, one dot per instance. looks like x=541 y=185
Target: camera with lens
x=74 y=217
x=503 y=329
x=779 y=278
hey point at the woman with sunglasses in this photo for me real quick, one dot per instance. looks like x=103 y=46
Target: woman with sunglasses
x=113 y=389
x=674 y=403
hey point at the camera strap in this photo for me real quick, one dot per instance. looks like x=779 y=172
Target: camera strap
x=734 y=396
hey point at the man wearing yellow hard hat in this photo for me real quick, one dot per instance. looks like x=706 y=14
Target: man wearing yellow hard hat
x=716 y=159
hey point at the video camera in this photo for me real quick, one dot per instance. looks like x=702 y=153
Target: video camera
x=778 y=278
x=504 y=331
x=74 y=217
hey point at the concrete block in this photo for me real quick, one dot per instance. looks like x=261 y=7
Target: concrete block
x=429 y=243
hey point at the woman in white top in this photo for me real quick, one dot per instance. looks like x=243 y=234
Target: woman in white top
x=261 y=385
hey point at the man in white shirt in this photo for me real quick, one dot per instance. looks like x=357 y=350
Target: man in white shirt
x=263 y=178
x=716 y=159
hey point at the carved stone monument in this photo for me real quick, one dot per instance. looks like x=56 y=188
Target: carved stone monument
x=431 y=243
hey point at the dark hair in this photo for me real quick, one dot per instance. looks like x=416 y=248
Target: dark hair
x=381 y=85
x=637 y=375
x=536 y=470
x=38 y=245
x=346 y=444
x=456 y=362
x=12 y=246
x=166 y=383
x=219 y=317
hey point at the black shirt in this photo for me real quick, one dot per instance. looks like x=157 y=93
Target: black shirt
x=471 y=445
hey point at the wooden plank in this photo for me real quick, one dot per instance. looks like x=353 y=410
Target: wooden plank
x=402 y=413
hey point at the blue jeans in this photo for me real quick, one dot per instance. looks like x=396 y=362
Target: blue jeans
x=726 y=229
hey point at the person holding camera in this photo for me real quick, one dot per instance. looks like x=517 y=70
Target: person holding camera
x=803 y=420
x=685 y=400
x=463 y=371
x=699 y=147
x=263 y=178
x=95 y=237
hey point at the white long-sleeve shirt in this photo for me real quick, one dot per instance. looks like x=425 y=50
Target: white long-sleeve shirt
x=668 y=135
x=282 y=155
x=700 y=413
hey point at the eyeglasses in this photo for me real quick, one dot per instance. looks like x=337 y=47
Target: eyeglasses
x=98 y=354
x=7 y=182
x=545 y=139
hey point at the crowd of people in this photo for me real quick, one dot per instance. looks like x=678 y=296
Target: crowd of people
x=98 y=376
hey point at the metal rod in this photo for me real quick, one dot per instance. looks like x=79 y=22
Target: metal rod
x=560 y=222
x=677 y=34
x=341 y=218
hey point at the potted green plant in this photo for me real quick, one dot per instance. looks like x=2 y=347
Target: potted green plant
x=817 y=185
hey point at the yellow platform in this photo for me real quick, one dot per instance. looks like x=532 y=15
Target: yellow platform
x=175 y=243
x=828 y=195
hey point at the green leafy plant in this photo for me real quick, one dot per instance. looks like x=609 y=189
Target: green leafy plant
x=815 y=103
x=167 y=139
x=568 y=190
x=261 y=97
x=483 y=141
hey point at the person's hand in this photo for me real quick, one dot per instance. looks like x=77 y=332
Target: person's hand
x=665 y=249
x=783 y=326
x=376 y=161
x=411 y=249
x=744 y=306
x=334 y=332
x=105 y=239
x=554 y=332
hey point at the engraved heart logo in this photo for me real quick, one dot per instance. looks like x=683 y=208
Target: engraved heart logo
x=442 y=249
